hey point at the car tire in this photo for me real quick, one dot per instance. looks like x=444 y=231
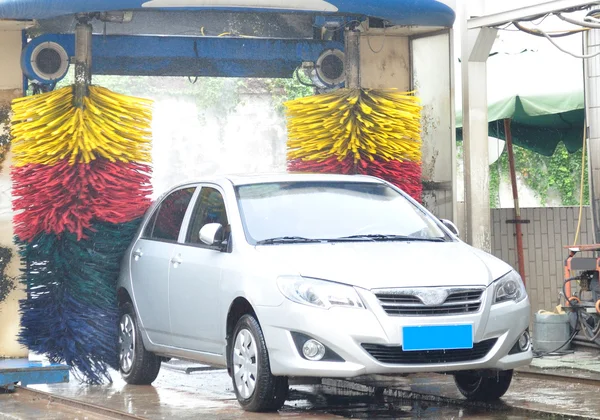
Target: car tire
x=477 y=387
x=256 y=389
x=137 y=365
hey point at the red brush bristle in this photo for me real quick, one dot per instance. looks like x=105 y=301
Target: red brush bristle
x=67 y=198
x=405 y=175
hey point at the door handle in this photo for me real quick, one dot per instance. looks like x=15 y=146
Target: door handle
x=176 y=260
x=137 y=254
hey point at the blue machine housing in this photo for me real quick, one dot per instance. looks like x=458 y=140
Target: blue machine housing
x=188 y=56
x=289 y=33
x=396 y=12
x=26 y=372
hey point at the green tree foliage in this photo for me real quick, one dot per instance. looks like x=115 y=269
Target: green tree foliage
x=560 y=172
x=7 y=283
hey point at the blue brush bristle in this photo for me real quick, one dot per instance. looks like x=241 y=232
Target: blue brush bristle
x=71 y=311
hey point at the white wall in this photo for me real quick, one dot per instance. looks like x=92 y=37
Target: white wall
x=10 y=87
x=251 y=138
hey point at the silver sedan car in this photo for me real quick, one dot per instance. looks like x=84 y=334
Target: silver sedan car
x=315 y=276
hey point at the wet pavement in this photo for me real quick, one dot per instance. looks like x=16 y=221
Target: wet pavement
x=208 y=394
x=579 y=363
x=14 y=406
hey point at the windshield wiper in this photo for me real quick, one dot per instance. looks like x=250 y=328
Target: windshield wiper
x=388 y=238
x=287 y=240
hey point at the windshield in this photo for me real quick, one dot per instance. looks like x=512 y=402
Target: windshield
x=301 y=211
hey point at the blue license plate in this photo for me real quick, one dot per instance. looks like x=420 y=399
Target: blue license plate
x=437 y=337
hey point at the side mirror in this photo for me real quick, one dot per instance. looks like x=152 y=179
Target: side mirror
x=451 y=227
x=211 y=234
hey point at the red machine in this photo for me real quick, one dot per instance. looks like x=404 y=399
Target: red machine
x=583 y=300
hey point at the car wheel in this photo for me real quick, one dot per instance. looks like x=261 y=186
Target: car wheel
x=256 y=389
x=137 y=365
x=477 y=387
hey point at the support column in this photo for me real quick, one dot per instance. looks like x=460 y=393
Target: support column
x=476 y=47
x=592 y=95
x=353 y=59
x=83 y=60
x=11 y=86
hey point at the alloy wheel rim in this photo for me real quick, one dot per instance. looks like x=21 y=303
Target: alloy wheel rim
x=126 y=343
x=245 y=363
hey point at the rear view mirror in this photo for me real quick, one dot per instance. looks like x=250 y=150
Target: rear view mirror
x=451 y=227
x=211 y=234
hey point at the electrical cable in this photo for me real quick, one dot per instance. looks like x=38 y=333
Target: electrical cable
x=578 y=22
x=540 y=33
x=564 y=290
x=303 y=83
x=590 y=335
x=591 y=19
x=541 y=21
x=579 y=56
x=342 y=27
x=198 y=60
x=382 y=45
x=575 y=330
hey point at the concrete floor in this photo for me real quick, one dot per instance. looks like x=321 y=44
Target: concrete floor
x=14 y=406
x=209 y=395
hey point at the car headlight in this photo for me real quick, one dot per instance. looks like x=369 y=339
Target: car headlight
x=509 y=287
x=318 y=293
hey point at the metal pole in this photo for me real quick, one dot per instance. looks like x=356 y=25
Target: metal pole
x=477 y=44
x=592 y=99
x=515 y=191
x=352 y=59
x=83 y=61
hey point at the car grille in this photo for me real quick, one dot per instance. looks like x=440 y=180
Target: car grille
x=409 y=302
x=396 y=356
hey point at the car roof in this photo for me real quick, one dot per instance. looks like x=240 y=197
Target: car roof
x=237 y=180
x=251 y=179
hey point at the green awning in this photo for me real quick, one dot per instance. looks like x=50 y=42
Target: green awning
x=540 y=89
x=539 y=122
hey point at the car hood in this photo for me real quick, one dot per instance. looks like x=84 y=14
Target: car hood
x=372 y=265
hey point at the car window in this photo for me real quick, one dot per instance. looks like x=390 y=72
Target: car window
x=165 y=223
x=210 y=208
x=150 y=225
x=331 y=210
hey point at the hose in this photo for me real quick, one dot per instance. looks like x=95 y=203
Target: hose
x=574 y=301
x=581 y=187
x=569 y=340
x=564 y=290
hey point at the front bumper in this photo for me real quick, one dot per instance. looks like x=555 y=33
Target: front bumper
x=344 y=331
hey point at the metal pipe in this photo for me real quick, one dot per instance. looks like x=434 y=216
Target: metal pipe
x=352 y=59
x=476 y=47
x=528 y=12
x=592 y=105
x=83 y=61
x=515 y=191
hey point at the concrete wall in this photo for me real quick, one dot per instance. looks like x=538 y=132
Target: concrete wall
x=10 y=87
x=249 y=138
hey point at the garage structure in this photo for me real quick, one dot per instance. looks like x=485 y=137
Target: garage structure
x=404 y=44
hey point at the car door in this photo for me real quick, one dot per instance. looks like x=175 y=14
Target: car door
x=150 y=259
x=195 y=279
